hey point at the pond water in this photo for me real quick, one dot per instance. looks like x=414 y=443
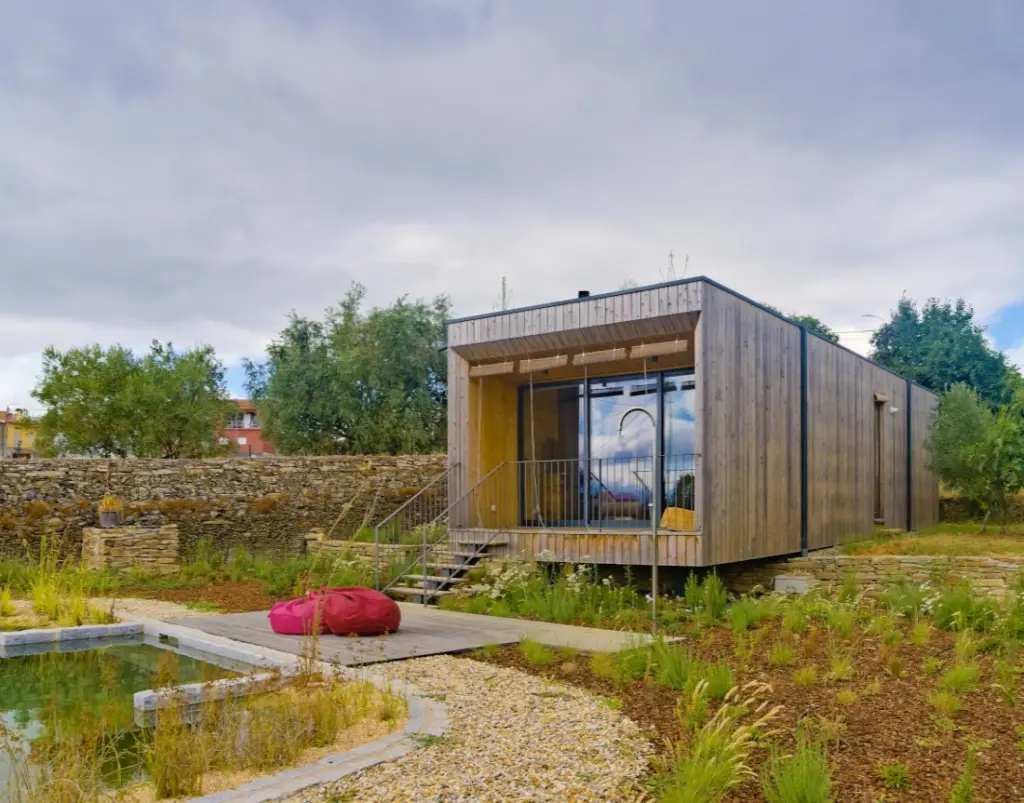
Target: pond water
x=64 y=695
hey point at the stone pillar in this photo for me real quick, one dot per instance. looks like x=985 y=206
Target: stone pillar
x=153 y=550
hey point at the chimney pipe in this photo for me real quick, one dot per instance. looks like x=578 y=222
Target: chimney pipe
x=583 y=294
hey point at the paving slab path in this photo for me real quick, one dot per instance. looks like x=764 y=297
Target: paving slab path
x=425 y=631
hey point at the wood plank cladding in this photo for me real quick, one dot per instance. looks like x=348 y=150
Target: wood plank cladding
x=654 y=313
x=925 y=493
x=748 y=370
x=846 y=396
x=594 y=546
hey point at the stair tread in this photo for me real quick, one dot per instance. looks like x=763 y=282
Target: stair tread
x=406 y=591
x=435 y=564
x=431 y=578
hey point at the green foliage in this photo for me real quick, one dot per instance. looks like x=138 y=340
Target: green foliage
x=704 y=766
x=906 y=598
x=978 y=453
x=113 y=403
x=365 y=383
x=959 y=608
x=960 y=678
x=744 y=614
x=536 y=653
x=963 y=789
x=940 y=346
x=782 y=654
x=804 y=776
x=895 y=776
x=719 y=680
x=805 y=676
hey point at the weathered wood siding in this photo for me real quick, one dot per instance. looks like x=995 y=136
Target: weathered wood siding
x=652 y=313
x=748 y=370
x=458 y=428
x=841 y=410
x=925 y=504
x=608 y=548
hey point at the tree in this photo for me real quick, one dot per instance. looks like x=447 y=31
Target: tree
x=111 y=403
x=812 y=323
x=978 y=453
x=356 y=382
x=940 y=346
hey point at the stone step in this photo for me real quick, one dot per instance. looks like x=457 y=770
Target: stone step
x=405 y=591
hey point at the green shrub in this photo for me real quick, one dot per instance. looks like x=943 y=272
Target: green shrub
x=960 y=678
x=945 y=703
x=801 y=777
x=841 y=621
x=842 y=666
x=795 y=620
x=805 y=676
x=782 y=654
x=906 y=599
x=963 y=789
x=714 y=596
x=719 y=680
x=959 y=608
x=537 y=654
x=744 y=614
x=895 y=776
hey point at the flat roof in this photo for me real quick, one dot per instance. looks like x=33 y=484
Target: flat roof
x=676 y=283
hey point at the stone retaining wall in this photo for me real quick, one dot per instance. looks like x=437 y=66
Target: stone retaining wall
x=266 y=504
x=874 y=573
x=154 y=550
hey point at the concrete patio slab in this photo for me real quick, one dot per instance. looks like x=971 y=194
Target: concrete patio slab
x=424 y=631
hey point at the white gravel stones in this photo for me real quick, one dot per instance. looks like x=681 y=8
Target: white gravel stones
x=512 y=737
x=149 y=608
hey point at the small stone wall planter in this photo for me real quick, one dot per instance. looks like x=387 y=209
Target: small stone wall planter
x=152 y=549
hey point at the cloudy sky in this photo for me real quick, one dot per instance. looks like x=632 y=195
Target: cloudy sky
x=195 y=170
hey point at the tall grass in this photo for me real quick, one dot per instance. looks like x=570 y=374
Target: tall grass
x=703 y=765
x=804 y=776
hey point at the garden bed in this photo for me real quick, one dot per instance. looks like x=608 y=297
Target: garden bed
x=879 y=715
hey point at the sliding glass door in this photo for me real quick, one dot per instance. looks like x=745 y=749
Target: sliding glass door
x=589 y=451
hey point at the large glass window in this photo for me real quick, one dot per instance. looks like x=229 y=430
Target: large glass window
x=589 y=452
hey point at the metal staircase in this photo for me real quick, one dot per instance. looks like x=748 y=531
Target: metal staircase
x=431 y=564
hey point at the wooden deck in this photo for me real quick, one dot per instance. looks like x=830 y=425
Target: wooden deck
x=611 y=546
x=425 y=631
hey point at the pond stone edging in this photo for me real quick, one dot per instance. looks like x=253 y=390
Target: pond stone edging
x=20 y=638
x=427 y=717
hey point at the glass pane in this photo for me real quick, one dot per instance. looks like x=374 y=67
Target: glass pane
x=553 y=443
x=622 y=428
x=679 y=443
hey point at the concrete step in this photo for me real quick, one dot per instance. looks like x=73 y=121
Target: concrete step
x=430 y=578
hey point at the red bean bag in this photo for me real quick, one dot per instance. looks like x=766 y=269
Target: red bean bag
x=360 y=612
x=296 y=617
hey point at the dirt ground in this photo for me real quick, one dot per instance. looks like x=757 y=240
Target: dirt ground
x=890 y=721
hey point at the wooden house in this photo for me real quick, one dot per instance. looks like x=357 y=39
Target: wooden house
x=579 y=428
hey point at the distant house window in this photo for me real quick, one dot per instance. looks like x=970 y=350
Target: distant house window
x=241 y=441
x=236 y=421
x=254 y=421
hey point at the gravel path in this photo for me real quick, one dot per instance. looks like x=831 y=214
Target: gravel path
x=150 y=608
x=511 y=736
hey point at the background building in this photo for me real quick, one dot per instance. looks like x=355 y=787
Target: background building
x=243 y=431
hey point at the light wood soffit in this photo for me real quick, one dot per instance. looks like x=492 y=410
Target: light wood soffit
x=543 y=363
x=657 y=349
x=492 y=369
x=603 y=355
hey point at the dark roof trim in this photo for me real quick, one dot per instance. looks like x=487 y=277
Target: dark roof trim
x=676 y=283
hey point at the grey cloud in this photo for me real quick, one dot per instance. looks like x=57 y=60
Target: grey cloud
x=194 y=170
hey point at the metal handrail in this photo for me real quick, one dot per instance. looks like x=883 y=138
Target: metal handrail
x=444 y=475
x=430 y=547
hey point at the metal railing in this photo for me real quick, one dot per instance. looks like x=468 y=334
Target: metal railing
x=434 y=533
x=402 y=526
x=603 y=493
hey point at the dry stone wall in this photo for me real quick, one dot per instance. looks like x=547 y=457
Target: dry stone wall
x=266 y=504
x=875 y=573
x=153 y=550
